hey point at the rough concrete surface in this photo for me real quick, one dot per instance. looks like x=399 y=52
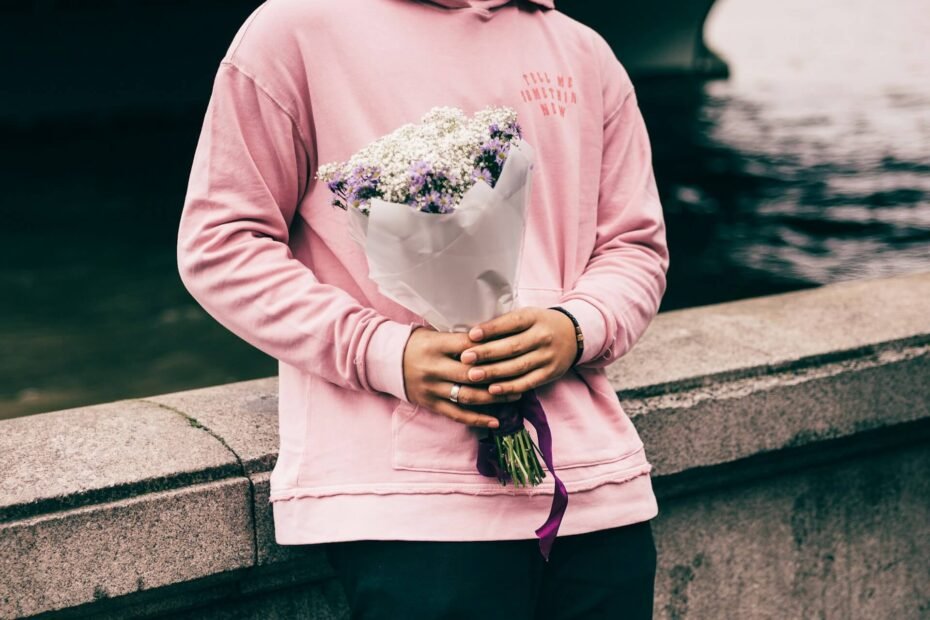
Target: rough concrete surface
x=160 y=505
x=69 y=558
x=268 y=550
x=776 y=329
x=93 y=454
x=244 y=414
x=841 y=542
x=726 y=422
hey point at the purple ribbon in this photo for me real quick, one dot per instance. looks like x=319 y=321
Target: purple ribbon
x=511 y=418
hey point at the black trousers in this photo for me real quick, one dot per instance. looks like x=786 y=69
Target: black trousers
x=604 y=574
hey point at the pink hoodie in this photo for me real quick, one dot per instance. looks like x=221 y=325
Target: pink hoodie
x=305 y=82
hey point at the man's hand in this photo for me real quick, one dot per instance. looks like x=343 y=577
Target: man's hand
x=431 y=367
x=527 y=347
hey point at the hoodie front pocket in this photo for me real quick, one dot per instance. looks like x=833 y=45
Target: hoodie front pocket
x=427 y=441
x=589 y=426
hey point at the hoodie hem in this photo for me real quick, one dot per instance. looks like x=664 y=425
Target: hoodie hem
x=478 y=488
x=458 y=516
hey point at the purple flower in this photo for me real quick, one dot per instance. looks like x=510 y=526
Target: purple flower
x=508 y=132
x=482 y=174
x=419 y=173
x=430 y=189
x=361 y=185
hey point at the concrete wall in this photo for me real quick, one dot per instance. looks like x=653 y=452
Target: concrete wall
x=789 y=436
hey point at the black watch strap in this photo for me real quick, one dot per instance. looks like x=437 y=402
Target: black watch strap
x=579 y=337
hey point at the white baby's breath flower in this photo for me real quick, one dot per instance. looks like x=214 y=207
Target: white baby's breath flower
x=445 y=138
x=327 y=172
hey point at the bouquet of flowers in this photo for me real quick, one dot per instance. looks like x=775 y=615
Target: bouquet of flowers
x=440 y=208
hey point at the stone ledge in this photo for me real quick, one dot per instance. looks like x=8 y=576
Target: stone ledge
x=117 y=499
x=78 y=556
x=751 y=337
x=725 y=422
x=89 y=455
x=244 y=414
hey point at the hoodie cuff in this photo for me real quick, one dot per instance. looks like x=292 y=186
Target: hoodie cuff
x=593 y=326
x=384 y=358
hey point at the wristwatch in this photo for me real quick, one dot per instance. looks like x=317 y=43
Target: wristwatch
x=579 y=337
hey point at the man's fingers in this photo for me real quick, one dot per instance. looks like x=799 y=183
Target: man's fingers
x=449 y=370
x=469 y=418
x=514 y=367
x=452 y=343
x=505 y=348
x=508 y=323
x=470 y=395
x=522 y=384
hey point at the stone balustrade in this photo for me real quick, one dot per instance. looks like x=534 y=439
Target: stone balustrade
x=788 y=433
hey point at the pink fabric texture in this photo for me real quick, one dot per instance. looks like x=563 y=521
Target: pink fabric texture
x=261 y=249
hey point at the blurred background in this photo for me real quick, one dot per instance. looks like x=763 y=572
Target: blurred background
x=791 y=147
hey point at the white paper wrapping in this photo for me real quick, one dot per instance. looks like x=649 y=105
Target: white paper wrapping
x=453 y=269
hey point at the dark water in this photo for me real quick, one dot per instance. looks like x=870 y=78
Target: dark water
x=809 y=165
x=93 y=309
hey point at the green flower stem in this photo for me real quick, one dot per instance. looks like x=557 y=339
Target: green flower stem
x=500 y=456
x=532 y=460
x=515 y=459
x=531 y=455
x=516 y=455
x=511 y=461
x=524 y=475
x=525 y=454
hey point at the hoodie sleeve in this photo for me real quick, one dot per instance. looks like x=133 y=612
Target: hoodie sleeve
x=619 y=292
x=250 y=169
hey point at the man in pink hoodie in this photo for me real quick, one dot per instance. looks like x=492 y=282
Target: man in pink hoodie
x=377 y=439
